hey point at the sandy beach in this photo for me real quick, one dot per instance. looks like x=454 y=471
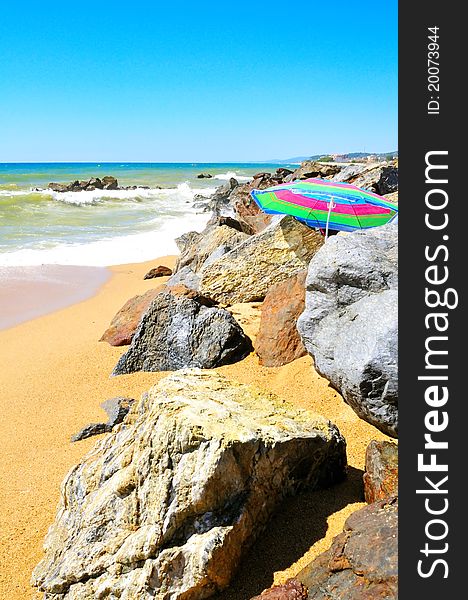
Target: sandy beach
x=55 y=374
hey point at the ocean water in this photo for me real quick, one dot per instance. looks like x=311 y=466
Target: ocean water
x=100 y=228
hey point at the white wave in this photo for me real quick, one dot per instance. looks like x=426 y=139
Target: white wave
x=227 y=176
x=183 y=191
x=138 y=247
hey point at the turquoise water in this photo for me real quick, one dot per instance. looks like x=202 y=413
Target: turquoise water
x=104 y=227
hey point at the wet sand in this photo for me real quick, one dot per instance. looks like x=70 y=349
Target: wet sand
x=55 y=374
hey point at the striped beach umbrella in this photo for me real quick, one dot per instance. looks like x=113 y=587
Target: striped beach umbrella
x=327 y=204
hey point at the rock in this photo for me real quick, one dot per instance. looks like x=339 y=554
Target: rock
x=246 y=209
x=111 y=183
x=362 y=563
x=159 y=271
x=179 y=331
x=381 y=179
x=291 y=590
x=184 y=276
x=393 y=197
x=215 y=237
x=278 y=342
x=219 y=202
x=247 y=272
x=350 y=321
x=116 y=409
x=58 y=187
x=204 y=176
x=88 y=431
x=95 y=182
x=167 y=505
x=124 y=324
x=311 y=168
x=381 y=476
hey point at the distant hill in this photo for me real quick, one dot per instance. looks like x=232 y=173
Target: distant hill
x=349 y=155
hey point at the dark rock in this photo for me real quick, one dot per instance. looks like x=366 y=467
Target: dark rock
x=58 y=187
x=116 y=409
x=124 y=324
x=291 y=590
x=388 y=182
x=204 y=176
x=179 y=331
x=110 y=183
x=95 y=182
x=350 y=321
x=381 y=476
x=362 y=563
x=278 y=342
x=159 y=271
x=89 y=431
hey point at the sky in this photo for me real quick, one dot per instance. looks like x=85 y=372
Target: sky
x=205 y=81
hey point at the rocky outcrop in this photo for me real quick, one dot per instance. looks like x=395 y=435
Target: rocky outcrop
x=204 y=176
x=381 y=179
x=95 y=183
x=217 y=238
x=278 y=342
x=116 y=409
x=167 y=504
x=124 y=324
x=247 y=272
x=159 y=271
x=291 y=590
x=381 y=475
x=362 y=563
x=349 y=324
x=310 y=168
x=184 y=329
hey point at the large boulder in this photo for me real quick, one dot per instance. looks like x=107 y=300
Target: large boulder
x=311 y=168
x=381 y=475
x=125 y=322
x=219 y=236
x=350 y=321
x=278 y=342
x=381 y=179
x=168 y=503
x=184 y=329
x=246 y=209
x=362 y=563
x=246 y=273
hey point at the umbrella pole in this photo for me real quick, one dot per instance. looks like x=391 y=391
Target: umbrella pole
x=330 y=206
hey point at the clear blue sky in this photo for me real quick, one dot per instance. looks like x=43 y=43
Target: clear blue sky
x=196 y=81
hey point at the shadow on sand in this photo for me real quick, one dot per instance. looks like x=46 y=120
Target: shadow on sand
x=299 y=522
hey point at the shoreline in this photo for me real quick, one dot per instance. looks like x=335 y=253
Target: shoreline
x=55 y=386
x=33 y=291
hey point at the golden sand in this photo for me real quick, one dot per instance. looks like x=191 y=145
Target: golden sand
x=55 y=374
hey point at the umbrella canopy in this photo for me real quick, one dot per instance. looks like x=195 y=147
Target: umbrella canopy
x=327 y=204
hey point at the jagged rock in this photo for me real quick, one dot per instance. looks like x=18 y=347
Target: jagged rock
x=350 y=321
x=159 y=271
x=111 y=183
x=204 y=176
x=278 y=342
x=184 y=276
x=179 y=331
x=124 y=324
x=167 y=504
x=311 y=168
x=58 y=187
x=246 y=209
x=219 y=238
x=381 y=179
x=291 y=590
x=116 y=409
x=362 y=563
x=219 y=202
x=247 y=272
x=381 y=475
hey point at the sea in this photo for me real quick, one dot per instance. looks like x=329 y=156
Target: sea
x=103 y=227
